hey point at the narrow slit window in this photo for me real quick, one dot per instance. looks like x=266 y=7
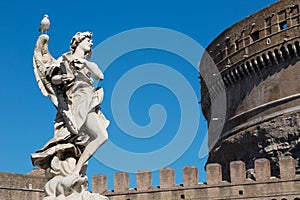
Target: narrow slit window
x=237 y=45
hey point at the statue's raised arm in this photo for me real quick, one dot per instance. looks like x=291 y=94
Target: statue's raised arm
x=79 y=126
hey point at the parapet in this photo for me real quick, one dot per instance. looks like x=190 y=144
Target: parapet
x=239 y=186
x=261 y=185
x=22 y=186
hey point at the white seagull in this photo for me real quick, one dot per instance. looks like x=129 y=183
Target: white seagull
x=44 y=25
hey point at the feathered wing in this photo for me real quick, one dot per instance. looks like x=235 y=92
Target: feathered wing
x=42 y=61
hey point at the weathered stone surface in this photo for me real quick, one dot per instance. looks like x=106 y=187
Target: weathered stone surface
x=99 y=183
x=93 y=196
x=262 y=169
x=237 y=172
x=16 y=186
x=143 y=180
x=213 y=173
x=258 y=65
x=37 y=172
x=190 y=176
x=270 y=139
x=121 y=181
x=287 y=167
x=167 y=178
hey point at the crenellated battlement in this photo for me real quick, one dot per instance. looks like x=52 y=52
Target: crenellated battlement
x=238 y=186
x=260 y=185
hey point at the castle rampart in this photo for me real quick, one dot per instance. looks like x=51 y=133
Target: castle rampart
x=259 y=186
x=250 y=48
x=258 y=63
x=22 y=186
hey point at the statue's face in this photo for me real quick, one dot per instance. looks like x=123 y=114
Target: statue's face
x=86 y=44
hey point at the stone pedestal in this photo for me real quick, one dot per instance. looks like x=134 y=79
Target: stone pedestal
x=93 y=196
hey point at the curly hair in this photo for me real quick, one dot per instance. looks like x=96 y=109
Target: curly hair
x=77 y=38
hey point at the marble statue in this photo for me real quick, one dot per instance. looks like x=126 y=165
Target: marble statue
x=79 y=126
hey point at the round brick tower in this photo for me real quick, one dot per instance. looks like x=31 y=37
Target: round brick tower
x=252 y=102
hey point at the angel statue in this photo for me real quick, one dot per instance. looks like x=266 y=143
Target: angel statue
x=79 y=126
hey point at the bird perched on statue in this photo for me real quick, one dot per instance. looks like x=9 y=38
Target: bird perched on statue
x=44 y=25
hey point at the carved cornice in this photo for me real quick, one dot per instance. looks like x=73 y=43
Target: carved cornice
x=275 y=55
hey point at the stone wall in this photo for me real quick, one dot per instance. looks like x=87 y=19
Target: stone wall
x=260 y=186
x=22 y=186
x=269 y=138
x=255 y=71
x=256 y=86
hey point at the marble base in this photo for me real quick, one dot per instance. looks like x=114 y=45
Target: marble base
x=93 y=196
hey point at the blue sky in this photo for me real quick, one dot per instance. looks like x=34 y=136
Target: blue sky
x=27 y=116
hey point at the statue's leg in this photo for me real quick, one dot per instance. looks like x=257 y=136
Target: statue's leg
x=95 y=127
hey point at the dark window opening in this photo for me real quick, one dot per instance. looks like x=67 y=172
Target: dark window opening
x=277 y=55
x=283 y=25
x=221 y=55
x=237 y=45
x=255 y=35
x=182 y=196
x=291 y=51
x=227 y=41
x=284 y=53
x=241 y=192
x=269 y=25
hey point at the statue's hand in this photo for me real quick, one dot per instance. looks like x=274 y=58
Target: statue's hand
x=67 y=77
x=80 y=60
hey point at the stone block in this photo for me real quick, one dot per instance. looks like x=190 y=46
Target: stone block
x=213 y=173
x=99 y=183
x=143 y=180
x=287 y=167
x=190 y=176
x=121 y=182
x=237 y=172
x=262 y=169
x=93 y=196
x=167 y=178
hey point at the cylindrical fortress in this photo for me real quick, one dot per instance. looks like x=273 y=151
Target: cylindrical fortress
x=257 y=83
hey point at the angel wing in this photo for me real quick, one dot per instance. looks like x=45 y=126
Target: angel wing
x=42 y=61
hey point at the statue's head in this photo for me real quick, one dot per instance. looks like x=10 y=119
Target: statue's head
x=83 y=39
